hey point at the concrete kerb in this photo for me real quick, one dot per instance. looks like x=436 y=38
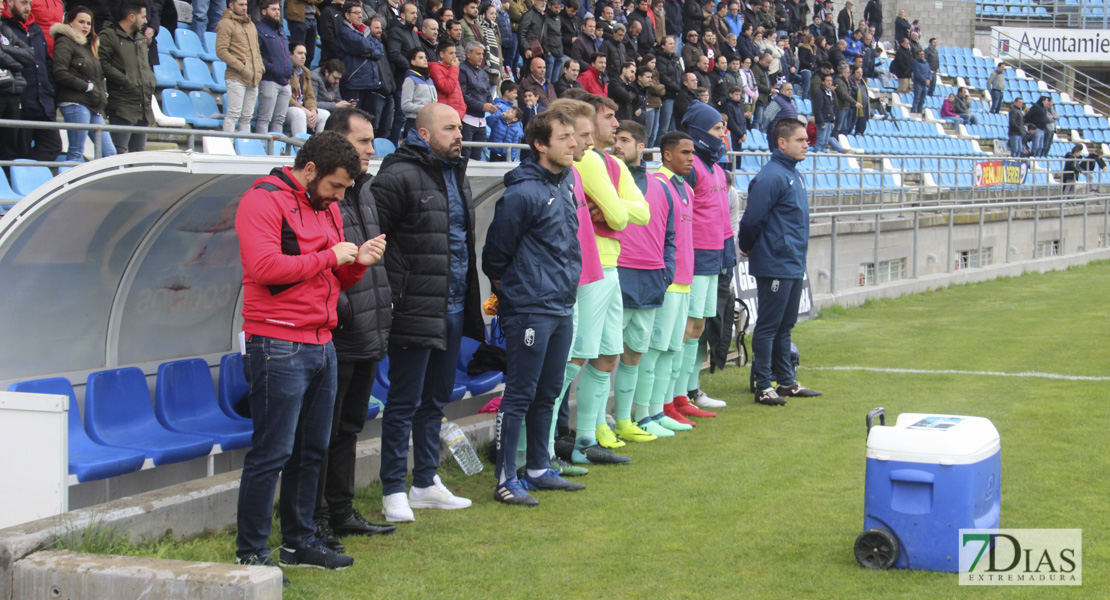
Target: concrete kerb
x=187 y=509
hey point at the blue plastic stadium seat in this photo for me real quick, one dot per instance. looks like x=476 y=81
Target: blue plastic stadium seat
x=185 y=402
x=170 y=71
x=88 y=460
x=210 y=42
x=476 y=384
x=247 y=147
x=166 y=45
x=207 y=114
x=7 y=194
x=175 y=103
x=188 y=44
x=196 y=71
x=383 y=147
x=219 y=73
x=233 y=384
x=26 y=178
x=118 y=412
x=166 y=73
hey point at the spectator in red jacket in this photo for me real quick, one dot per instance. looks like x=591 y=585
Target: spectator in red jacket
x=594 y=80
x=445 y=76
x=47 y=13
x=295 y=262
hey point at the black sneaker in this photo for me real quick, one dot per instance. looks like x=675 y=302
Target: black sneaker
x=797 y=390
x=564 y=447
x=325 y=534
x=770 y=398
x=255 y=560
x=512 y=492
x=356 y=524
x=317 y=556
x=596 y=455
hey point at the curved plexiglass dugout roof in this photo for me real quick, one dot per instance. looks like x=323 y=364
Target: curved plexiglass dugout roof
x=133 y=260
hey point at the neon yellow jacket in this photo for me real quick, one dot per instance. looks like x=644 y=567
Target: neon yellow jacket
x=620 y=206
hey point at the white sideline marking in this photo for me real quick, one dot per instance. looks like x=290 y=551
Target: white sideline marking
x=956 y=372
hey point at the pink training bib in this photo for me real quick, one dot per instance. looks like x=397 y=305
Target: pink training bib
x=642 y=245
x=591 y=261
x=614 y=170
x=683 y=231
x=711 y=213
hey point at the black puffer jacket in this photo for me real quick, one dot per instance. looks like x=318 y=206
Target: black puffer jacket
x=364 y=308
x=75 y=67
x=38 y=92
x=413 y=213
x=14 y=57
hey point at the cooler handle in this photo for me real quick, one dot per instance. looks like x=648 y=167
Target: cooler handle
x=879 y=412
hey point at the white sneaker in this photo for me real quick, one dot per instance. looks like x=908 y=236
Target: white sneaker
x=395 y=508
x=704 y=401
x=436 y=496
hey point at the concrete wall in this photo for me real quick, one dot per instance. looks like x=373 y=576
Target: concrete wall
x=952 y=22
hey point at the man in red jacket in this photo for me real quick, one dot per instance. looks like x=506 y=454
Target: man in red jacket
x=295 y=262
x=594 y=80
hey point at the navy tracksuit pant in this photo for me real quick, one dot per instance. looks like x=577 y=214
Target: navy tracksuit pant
x=536 y=347
x=778 y=312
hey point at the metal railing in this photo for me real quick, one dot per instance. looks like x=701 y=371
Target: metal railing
x=190 y=135
x=1082 y=88
x=1077 y=14
x=949 y=212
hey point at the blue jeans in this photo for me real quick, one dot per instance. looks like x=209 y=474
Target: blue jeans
x=969 y=119
x=1017 y=146
x=666 y=118
x=420 y=385
x=206 y=15
x=757 y=117
x=554 y=67
x=933 y=83
x=292 y=394
x=1049 y=136
x=778 y=312
x=1037 y=143
x=996 y=101
x=803 y=77
x=845 y=121
x=919 y=93
x=470 y=133
x=79 y=113
x=537 y=347
x=651 y=125
x=825 y=139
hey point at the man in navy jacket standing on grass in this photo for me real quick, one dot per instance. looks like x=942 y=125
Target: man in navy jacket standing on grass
x=774 y=235
x=533 y=259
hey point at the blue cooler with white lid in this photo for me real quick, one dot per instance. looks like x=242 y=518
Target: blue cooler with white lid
x=928 y=476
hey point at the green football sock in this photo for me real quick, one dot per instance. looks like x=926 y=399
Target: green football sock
x=626 y=383
x=593 y=390
x=662 y=385
x=645 y=383
x=695 y=374
x=603 y=401
x=689 y=360
x=677 y=364
x=568 y=378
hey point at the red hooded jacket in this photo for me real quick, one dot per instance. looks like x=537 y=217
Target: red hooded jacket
x=591 y=82
x=46 y=13
x=447 y=86
x=290 y=279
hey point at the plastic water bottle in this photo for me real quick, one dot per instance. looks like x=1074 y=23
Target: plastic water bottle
x=452 y=436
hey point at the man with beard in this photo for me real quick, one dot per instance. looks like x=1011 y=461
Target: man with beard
x=295 y=258
x=533 y=260
x=274 y=90
x=425 y=207
x=400 y=39
x=360 y=342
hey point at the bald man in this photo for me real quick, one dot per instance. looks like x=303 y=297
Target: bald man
x=425 y=210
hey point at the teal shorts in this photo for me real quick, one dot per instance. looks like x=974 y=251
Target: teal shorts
x=600 y=318
x=703 y=296
x=639 y=325
x=670 y=322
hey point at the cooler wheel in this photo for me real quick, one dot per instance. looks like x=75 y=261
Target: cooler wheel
x=876 y=549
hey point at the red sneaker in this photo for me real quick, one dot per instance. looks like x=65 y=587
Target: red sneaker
x=671 y=411
x=683 y=406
